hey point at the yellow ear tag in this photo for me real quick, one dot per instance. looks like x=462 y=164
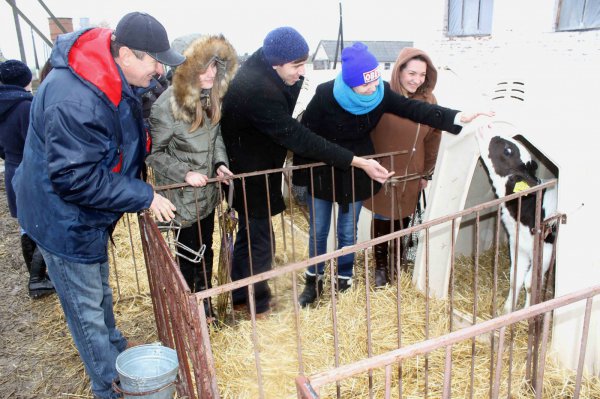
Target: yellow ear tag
x=520 y=186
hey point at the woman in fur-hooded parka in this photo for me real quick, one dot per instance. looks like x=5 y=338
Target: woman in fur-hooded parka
x=187 y=144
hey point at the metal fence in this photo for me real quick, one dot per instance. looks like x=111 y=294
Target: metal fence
x=538 y=316
x=183 y=324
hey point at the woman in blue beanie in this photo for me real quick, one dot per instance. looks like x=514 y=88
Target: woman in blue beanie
x=345 y=111
x=15 y=102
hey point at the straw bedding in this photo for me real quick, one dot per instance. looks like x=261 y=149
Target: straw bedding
x=59 y=372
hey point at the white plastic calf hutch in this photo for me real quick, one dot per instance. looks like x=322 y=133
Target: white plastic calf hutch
x=560 y=138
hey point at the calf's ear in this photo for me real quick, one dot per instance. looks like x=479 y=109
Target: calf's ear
x=532 y=167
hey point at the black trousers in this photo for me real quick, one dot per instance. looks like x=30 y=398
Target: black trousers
x=197 y=275
x=261 y=231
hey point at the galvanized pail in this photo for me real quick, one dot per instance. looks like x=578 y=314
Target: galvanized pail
x=147 y=371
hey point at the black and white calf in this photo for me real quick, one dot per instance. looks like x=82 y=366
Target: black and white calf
x=511 y=169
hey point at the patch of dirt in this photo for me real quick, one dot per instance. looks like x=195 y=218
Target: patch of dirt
x=37 y=356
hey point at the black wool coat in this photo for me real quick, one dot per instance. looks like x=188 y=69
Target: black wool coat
x=328 y=119
x=258 y=128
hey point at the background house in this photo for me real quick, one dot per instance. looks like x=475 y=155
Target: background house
x=386 y=52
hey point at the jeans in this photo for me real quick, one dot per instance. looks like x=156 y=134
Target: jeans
x=86 y=299
x=261 y=233
x=347 y=230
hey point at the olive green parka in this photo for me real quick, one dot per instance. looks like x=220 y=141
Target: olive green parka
x=175 y=149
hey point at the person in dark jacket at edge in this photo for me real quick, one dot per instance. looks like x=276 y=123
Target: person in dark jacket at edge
x=15 y=103
x=258 y=129
x=345 y=111
x=80 y=172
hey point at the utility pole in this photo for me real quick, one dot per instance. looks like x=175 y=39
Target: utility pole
x=339 y=46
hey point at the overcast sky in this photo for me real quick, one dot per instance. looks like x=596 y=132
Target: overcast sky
x=243 y=22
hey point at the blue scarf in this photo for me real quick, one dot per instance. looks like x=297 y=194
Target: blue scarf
x=356 y=104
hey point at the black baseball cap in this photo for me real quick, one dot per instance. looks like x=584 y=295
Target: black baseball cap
x=141 y=31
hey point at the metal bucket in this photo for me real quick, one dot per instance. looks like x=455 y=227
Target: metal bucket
x=147 y=371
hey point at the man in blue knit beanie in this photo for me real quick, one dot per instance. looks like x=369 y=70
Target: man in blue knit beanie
x=258 y=130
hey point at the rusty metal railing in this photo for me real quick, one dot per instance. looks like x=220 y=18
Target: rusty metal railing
x=182 y=323
x=309 y=387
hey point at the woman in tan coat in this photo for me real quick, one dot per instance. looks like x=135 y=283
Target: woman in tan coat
x=414 y=76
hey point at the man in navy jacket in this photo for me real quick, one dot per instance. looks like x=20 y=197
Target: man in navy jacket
x=80 y=172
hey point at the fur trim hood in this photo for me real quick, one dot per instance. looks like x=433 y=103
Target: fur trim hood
x=186 y=94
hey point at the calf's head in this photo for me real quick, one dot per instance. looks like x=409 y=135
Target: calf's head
x=509 y=164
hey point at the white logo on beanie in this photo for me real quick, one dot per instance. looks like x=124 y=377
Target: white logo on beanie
x=370 y=76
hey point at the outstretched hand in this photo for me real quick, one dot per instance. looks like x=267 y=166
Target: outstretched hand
x=162 y=208
x=372 y=168
x=467 y=117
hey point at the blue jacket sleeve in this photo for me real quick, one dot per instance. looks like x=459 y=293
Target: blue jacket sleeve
x=80 y=155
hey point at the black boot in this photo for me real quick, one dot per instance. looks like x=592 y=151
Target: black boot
x=39 y=284
x=28 y=247
x=313 y=287
x=380 y=253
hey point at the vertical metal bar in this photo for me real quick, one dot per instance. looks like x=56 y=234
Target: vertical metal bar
x=368 y=312
x=451 y=287
x=137 y=280
x=498 y=378
x=475 y=299
x=494 y=309
x=314 y=223
x=334 y=277
x=255 y=342
x=200 y=243
x=399 y=316
x=583 y=346
x=298 y=324
x=513 y=286
x=115 y=269
x=427 y=298
x=336 y=343
x=513 y=300
x=292 y=210
x=271 y=238
x=537 y=272
x=334 y=216
x=28 y=21
x=13 y=3
x=388 y=381
x=247 y=226
x=539 y=381
x=534 y=289
x=448 y=374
